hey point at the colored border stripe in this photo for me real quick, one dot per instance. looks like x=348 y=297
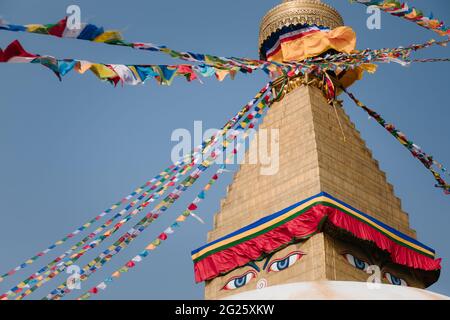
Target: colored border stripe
x=387 y=230
x=254 y=224
x=272 y=221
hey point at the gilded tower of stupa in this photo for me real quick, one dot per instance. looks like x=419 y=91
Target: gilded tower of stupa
x=323 y=160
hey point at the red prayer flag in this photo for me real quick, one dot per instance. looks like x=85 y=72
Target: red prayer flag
x=58 y=29
x=14 y=49
x=162 y=236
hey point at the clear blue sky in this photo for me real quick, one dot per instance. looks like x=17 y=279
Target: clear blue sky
x=70 y=149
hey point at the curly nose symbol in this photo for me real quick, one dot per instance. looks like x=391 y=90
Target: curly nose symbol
x=261 y=284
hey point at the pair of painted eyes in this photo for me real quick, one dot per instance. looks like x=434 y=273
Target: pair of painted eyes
x=274 y=266
x=362 y=265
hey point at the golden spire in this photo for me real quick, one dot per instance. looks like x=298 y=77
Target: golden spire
x=292 y=12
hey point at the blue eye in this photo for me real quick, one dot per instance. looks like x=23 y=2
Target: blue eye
x=395 y=280
x=240 y=281
x=283 y=264
x=357 y=263
x=286 y=262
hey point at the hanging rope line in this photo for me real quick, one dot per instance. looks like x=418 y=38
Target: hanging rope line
x=426 y=159
x=432 y=60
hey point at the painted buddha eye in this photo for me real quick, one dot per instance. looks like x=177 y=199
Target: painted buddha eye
x=357 y=263
x=394 y=280
x=240 y=281
x=286 y=262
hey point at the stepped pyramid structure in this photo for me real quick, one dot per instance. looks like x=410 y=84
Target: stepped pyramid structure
x=313 y=157
x=320 y=151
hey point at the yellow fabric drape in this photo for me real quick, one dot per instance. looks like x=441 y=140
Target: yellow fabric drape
x=342 y=39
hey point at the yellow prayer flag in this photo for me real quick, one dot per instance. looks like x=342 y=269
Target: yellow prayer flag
x=108 y=36
x=34 y=27
x=102 y=71
x=181 y=218
x=369 y=67
x=221 y=74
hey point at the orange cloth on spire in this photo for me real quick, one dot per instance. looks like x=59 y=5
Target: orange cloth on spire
x=342 y=39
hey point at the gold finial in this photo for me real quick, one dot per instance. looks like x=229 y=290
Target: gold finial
x=291 y=12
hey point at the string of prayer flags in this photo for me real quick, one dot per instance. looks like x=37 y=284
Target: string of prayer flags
x=241 y=113
x=209 y=65
x=116 y=247
x=64 y=262
x=169 y=200
x=358 y=61
x=165 y=74
x=139 y=193
x=31 y=284
x=403 y=10
x=113 y=73
x=426 y=159
x=345 y=61
x=124 y=241
x=155 y=243
x=152 y=184
x=193 y=206
x=188 y=212
x=90 y=32
x=70 y=257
